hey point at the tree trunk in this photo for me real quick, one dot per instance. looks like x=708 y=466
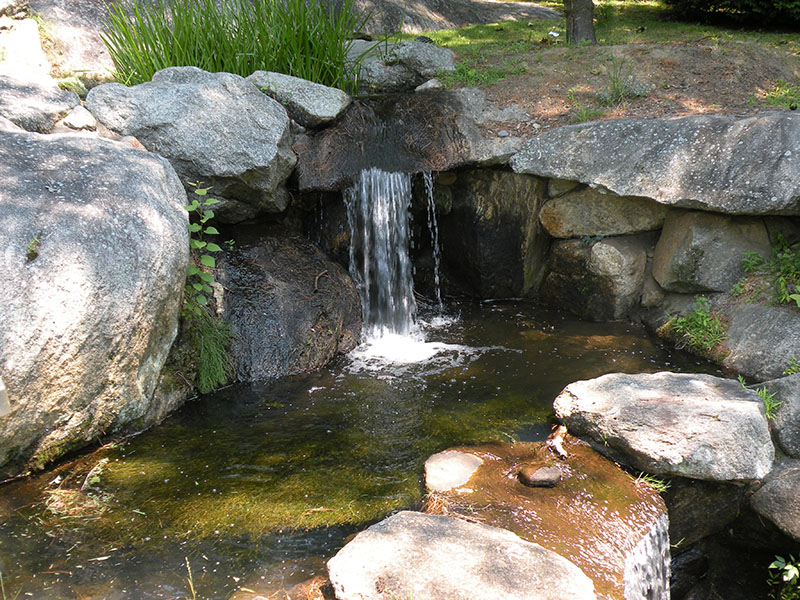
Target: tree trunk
x=580 y=21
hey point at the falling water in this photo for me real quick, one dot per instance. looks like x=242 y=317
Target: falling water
x=433 y=227
x=647 y=565
x=378 y=213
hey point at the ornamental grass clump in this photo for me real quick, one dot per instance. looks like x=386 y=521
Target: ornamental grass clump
x=297 y=37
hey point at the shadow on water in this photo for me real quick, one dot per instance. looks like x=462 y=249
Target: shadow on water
x=258 y=486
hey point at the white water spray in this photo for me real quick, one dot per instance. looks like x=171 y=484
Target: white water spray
x=647 y=565
x=433 y=227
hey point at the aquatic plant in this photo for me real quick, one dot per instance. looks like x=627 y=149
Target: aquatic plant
x=701 y=330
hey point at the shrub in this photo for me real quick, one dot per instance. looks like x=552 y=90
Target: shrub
x=296 y=37
x=765 y=12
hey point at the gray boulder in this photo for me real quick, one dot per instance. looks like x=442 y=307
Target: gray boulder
x=308 y=103
x=34 y=104
x=449 y=470
x=434 y=131
x=598 y=280
x=725 y=164
x=786 y=424
x=587 y=212
x=491 y=239
x=21 y=54
x=415 y=555
x=95 y=250
x=290 y=309
x=213 y=127
x=761 y=340
x=702 y=252
x=776 y=500
x=696 y=426
x=398 y=67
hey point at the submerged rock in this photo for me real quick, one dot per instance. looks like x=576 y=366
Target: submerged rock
x=95 y=246
x=596 y=517
x=291 y=310
x=217 y=128
x=709 y=162
x=691 y=425
x=777 y=499
x=536 y=476
x=703 y=252
x=416 y=555
x=448 y=470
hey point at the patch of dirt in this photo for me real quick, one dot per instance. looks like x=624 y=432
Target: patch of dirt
x=700 y=77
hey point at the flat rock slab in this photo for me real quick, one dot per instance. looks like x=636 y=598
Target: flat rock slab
x=718 y=163
x=449 y=470
x=777 y=499
x=35 y=104
x=433 y=557
x=691 y=425
x=310 y=104
x=213 y=127
x=595 y=516
x=762 y=340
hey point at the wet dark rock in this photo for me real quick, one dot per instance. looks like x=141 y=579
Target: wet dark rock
x=291 y=310
x=777 y=499
x=786 y=424
x=217 y=128
x=691 y=425
x=96 y=249
x=687 y=569
x=708 y=162
x=537 y=476
x=761 y=340
x=34 y=105
x=416 y=555
x=698 y=509
x=599 y=280
x=491 y=239
x=702 y=252
x=436 y=131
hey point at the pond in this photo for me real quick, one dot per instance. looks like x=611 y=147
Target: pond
x=255 y=487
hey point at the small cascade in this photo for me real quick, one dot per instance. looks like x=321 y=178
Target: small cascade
x=433 y=227
x=378 y=213
x=647 y=565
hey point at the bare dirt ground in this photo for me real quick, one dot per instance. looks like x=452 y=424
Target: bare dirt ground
x=561 y=85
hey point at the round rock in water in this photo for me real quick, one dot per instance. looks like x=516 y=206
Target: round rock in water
x=449 y=470
x=536 y=476
x=420 y=556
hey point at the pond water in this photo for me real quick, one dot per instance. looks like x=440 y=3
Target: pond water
x=255 y=487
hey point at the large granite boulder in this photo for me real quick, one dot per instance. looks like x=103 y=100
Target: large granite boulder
x=690 y=425
x=399 y=67
x=598 y=280
x=703 y=252
x=709 y=162
x=491 y=239
x=591 y=513
x=776 y=499
x=95 y=250
x=217 y=128
x=761 y=340
x=290 y=309
x=34 y=104
x=416 y=555
x=786 y=424
x=309 y=104
x=435 y=131
x=587 y=212
x=698 y=509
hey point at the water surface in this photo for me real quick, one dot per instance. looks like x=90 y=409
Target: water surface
x=257 y=486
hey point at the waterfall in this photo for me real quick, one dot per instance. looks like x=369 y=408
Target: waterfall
x=433 y=227
x=647 y=565
x=378 y=213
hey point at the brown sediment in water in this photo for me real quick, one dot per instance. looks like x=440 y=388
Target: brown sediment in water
x=593 y=517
